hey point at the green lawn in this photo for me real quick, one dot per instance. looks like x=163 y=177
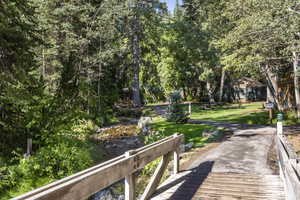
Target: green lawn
x=245 y=114
x=223 y=111
x=192 y=132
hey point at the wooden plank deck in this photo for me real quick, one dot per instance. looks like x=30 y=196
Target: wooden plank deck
x=191 y=185
x=236 y=169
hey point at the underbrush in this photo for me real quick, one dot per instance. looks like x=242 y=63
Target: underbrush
x=62 y=155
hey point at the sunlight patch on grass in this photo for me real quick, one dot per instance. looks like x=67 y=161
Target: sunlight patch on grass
x=244 y=114
x=223 y=111
x=251 y=114
x=192 y=132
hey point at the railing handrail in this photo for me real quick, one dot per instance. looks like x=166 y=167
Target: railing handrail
x=85 y=183
x=288 y=164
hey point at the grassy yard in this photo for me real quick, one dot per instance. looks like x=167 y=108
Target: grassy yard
x=252 y=113
x=245 y=114
x=192 y=132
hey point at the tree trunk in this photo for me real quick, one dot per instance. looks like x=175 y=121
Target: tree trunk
x=222 y=85
x=272 y=84
x=99 y=89
x=99 y=82
x=184 y=93
x=289 y=98
x=44 y=65
x=136 y=50
x=296 y=84
x=210 y=92
x=269 y=94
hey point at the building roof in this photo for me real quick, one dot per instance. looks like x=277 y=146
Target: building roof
x=248 y=83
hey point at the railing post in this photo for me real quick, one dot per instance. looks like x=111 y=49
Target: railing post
x=129 y=182
x=176 y=162
x=279 y=128
x=176 y=158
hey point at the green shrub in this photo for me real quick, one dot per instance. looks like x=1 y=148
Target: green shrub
x=5 y=179
x=175 y=111
x=83 y=127
x=150 y=167
x=59 y=160
x=189 y=98
x=63 y=157
x=148 y=139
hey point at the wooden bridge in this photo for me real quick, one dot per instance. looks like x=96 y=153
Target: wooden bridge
x=196 y=183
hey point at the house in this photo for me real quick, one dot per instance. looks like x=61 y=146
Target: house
x=286 y=90
x=248 y=90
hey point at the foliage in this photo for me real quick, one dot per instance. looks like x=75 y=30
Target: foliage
x=149 y=169
x=58 y=160
x=65 y=64
x=183 y=55
x=175 y=111
x=83 y=128
x=154 y=137
x=63 y=157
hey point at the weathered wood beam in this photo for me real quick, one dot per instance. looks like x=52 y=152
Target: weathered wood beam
x=155 y=180
x=289 y=166
x=90 y=181
x=176 y=161
x=129 y=182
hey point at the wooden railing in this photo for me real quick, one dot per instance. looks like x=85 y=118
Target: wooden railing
x=289 y=165
x=83 y=184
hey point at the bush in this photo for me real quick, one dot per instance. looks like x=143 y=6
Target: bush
x=153 y=137
x=60 y=159
x=6 y=180
x=63 y=157
x=175 y=111
x=57 y=161
x=83 y=128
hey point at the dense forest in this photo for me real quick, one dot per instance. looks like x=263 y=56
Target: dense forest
x=67 y=67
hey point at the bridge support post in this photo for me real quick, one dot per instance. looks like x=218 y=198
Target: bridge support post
x=176 y=162
x=176 y=158
x=129 y=182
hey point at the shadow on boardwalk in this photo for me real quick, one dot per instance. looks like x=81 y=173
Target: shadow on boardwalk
x=190 y=180
x=236 y=169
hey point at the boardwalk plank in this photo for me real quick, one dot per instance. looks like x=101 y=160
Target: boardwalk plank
x=225 y=186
